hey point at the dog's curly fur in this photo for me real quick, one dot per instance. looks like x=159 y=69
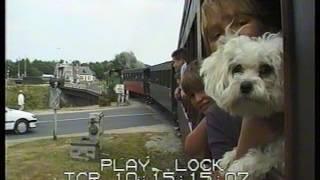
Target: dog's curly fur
x=245 y=77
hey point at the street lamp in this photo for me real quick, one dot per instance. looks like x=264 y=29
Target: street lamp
x=59 y=53
x=7 y=79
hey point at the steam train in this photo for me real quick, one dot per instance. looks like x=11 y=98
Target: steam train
x=158 y=81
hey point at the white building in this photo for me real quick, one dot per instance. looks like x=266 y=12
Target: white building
x=47 y=77
x=86 y=74
x=74 y=73
x=66 y=71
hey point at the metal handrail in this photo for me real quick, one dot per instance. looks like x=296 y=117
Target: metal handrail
x=86 y=86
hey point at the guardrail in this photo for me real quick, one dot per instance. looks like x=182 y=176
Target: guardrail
x=88 y=86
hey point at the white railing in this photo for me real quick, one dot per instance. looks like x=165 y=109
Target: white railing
x=87 y=86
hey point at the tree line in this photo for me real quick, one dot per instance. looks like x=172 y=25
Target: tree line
x=37 y=67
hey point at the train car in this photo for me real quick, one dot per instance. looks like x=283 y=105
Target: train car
x=298 y=31
x=162 y=85
x=136 y=81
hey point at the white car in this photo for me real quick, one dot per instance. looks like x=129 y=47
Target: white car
x=20 y=121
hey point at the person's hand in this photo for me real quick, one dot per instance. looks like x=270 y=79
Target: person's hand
x=183 y=94
x=177 y=93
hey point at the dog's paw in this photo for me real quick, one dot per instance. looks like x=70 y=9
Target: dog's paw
x=257 y=163
x=252 y=163
x=227 y=159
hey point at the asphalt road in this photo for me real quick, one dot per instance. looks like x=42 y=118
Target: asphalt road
x=77 y=122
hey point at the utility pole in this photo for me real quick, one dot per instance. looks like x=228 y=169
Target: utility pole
x=54 y=102
x=25 y=67
x=55 y=124
x=7 y=79
x=18 y=69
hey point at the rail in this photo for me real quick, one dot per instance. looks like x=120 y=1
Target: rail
x=96 y=88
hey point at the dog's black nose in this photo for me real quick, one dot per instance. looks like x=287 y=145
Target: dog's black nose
x=246 y=87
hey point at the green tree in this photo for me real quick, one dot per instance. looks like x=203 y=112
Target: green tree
x=45 y=67
x=84 y=64
x=126 y=60
x=76 y=62
x=98 y=68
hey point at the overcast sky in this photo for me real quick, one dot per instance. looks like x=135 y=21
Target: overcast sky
x=92 y=30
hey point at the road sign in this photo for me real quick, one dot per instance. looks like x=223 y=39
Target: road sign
x=54 y=98
x=54 y=103
x=119 y=88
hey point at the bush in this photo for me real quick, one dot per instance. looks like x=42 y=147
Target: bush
x=107 y=97
x=33 y=80
x=104 y=100
x=36 y=97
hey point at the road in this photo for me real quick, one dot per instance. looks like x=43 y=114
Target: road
x=77 y=122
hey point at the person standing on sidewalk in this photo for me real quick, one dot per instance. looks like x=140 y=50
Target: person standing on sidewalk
x=21 y=100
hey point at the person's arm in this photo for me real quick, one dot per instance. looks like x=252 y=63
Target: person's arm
x=196 y=142
x=177 y=93
x=223 y=132
x=258 y=131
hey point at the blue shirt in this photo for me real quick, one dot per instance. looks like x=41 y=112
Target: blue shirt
x=223 y=131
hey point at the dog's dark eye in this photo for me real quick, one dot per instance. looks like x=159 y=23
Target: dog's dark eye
x=265 y=70
x=237 y=69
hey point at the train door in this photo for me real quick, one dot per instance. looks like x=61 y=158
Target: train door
x=298 y=30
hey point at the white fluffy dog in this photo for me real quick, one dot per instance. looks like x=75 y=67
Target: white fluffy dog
x=245 y=77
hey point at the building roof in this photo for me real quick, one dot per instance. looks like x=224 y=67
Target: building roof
x=85 y=70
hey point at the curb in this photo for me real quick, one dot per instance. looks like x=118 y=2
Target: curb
x=138 y=129
x=48 y=112
x=84 y=110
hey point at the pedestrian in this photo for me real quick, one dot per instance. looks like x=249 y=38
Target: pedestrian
x=21 y=100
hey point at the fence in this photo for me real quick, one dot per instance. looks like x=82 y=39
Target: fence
x=97 y=88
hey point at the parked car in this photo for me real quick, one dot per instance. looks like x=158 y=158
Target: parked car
x=20 y=121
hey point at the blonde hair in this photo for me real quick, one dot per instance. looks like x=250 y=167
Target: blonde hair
x=267 y=12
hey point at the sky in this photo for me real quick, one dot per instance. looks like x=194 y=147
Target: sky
x=92 y=30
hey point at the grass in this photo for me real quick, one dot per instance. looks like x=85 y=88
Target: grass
x=48 y=159
x=36 y=97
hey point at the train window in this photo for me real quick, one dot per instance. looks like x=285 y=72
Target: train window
x=169 y=74
x=165 y=78
x=162 y=78
x=194 y=37
x=159 y=77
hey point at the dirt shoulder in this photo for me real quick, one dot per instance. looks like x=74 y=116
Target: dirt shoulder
x=48 y=159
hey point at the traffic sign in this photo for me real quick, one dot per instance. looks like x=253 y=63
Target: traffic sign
x=119 y=88
x=54 y=98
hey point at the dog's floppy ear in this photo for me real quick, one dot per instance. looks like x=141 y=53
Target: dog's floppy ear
x=214 y=74
x=273 y=45
x=222 y=75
